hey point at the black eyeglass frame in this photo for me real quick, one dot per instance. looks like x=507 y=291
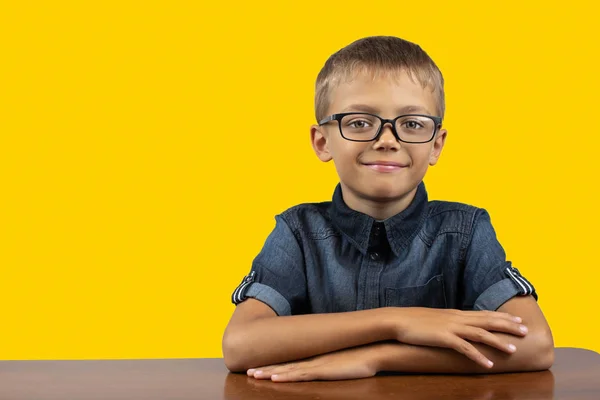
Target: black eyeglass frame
x=338 y=117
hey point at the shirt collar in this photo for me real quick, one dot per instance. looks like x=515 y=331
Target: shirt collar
x=400 y=229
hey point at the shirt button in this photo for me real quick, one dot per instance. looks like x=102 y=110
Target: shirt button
x=377 y=230
x=375 y=256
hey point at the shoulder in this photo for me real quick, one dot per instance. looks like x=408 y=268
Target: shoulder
x=451 y=217
x=311 y=218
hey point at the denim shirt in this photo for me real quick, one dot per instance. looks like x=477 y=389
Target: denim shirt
x=325 y=257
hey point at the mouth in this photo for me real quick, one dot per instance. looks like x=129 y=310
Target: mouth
x=385 y=166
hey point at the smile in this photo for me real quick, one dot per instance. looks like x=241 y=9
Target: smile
x=385 y=166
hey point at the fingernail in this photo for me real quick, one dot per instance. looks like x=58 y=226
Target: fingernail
x=258 y=373
x=274 y=377
x=518 y=319
x=491 y=364
x=512 y=347
x=523 y=328
x=251 y=371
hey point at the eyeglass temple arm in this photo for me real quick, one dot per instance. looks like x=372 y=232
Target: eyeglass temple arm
x=327 y=119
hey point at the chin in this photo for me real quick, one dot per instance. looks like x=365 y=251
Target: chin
x=386 y=192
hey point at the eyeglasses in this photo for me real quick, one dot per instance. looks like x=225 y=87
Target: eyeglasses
x=365 y=127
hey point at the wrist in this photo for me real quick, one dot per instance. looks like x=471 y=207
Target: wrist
x=377 y=359
x=392 y=322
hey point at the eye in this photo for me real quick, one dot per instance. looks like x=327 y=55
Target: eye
x=413 y=124
x=359 y=124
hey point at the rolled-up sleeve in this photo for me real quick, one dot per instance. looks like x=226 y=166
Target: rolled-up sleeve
x=489 y=279
x=277 y=277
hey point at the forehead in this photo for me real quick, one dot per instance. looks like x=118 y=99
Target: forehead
x=386 y=92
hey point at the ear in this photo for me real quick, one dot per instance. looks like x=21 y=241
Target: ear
x=438 y=145
x=319 y=141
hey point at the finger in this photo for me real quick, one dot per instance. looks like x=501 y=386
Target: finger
x=485 y=337
x=260 y=374
x=500 y=325
x=252 y=371
x=507 y=316
x=297 y=375
x=466 y=348
x=494 y=314
x=266 y=373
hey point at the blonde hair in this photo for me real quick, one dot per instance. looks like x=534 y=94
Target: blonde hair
x=378 y=54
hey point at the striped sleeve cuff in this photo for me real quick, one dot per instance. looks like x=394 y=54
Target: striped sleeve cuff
x=523 y=284
x=270 y=297
x=502 y=291
x=266 y=294
x=238 y=294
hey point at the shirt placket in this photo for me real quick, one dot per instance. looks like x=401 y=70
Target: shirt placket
x=371 y=269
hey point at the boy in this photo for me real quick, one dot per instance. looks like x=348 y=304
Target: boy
x=381 y=278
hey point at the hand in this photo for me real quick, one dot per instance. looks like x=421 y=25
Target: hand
x=350 y=363
x=358 y=389
x=530 y=385
x=453 y=328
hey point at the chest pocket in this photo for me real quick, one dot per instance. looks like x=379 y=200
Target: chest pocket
x=429 y=295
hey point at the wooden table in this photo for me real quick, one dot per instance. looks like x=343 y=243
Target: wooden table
x=575 y=375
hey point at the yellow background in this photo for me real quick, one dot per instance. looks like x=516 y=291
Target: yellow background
x=145 y=148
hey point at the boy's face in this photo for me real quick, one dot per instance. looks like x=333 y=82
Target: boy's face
x=360 y=164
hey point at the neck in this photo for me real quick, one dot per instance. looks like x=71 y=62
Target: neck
x=377 y=208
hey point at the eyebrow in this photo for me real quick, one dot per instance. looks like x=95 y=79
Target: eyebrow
x=402 y=110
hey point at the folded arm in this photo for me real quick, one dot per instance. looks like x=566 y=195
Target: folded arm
x=256 y=336
x=535 y=351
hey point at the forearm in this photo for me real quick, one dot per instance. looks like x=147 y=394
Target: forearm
x=535 y=352
x=273 y=340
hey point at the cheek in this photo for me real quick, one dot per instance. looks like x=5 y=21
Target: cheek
x=345 y=151
x=419 y=155
x=345 y=158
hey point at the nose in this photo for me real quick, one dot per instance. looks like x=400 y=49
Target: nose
x=386 y=140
